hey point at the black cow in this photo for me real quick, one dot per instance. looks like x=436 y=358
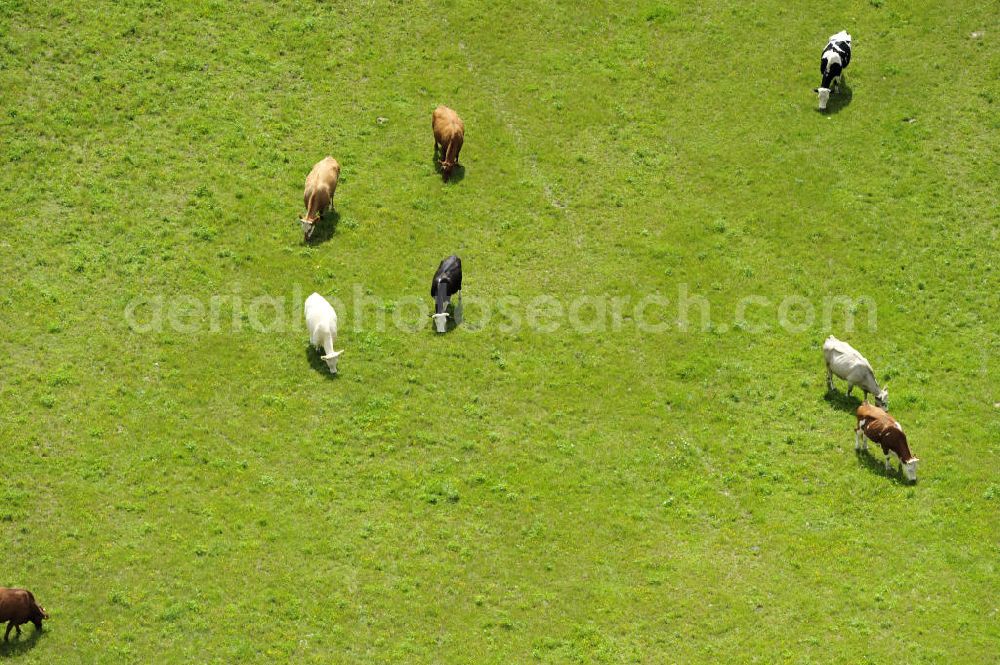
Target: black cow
x=447 y=282
x=836 y=56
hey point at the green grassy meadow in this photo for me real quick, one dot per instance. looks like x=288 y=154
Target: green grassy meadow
x=206 y=493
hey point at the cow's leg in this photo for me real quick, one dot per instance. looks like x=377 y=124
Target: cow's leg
x=458 y=309
x=17 y=629
x=850 y=387
x=859 y=439
x=888 y=460
x=829 y=379
x=6 y=636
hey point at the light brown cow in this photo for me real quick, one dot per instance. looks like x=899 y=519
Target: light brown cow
x=449 y=134
x=321 y=183
x=880 y=427
x=18 y=606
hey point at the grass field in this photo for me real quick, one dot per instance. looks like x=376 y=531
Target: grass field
x=198 y=490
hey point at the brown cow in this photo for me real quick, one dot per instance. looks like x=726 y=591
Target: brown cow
x=19 y=606
x=449 y=133
x=321 y=183
x=883 y=429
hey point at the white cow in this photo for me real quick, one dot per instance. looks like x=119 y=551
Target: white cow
x=321 y=320
x=844 y=360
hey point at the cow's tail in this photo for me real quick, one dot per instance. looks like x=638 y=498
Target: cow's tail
x=447 y=151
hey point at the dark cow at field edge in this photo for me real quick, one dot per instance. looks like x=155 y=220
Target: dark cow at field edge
x=18 y=606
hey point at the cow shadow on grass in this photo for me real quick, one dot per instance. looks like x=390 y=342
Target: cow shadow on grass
x=457 y=174
x=18 y=646
x=839 y=100
x=875 y=464
x=325 y=227
x=316 y=361
x=842 y=401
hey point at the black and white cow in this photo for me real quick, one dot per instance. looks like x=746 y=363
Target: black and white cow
x=836 y=56
x=447 y=282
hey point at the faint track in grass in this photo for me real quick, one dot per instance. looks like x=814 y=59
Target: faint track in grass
x=506 y=117
x=500 y=108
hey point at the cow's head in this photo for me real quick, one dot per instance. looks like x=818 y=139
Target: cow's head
x=447 y=166
x=308 y=226
x=882 y=399
x=331 y=361
x=824 y=97
x=441 y=321
x=910 y=469
x=40 y=614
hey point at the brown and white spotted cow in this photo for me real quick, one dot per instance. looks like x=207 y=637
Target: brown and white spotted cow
x=880 y=427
